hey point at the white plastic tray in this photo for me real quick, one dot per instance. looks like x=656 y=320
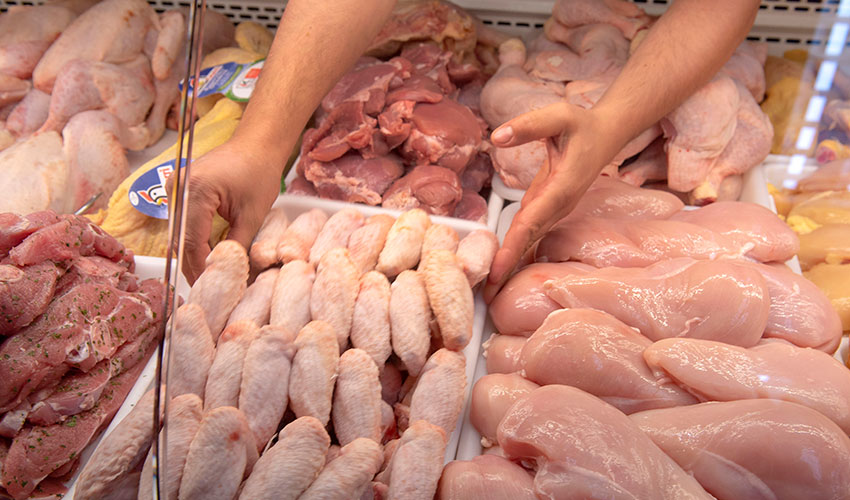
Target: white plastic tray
x=294 y=205
x=494 y=206
x=146 y=267
x=754 y=191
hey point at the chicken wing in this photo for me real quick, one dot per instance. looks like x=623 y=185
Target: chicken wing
x=256 y=303
x=264 y=391
x=356 y=409
x=370 y=324
x=335 y=233
x=439 y=393
x=368 y=240
x=221 y=455
x=417 y=462
x=290 y=303
x=410 y=315
x=192 y=352
x=404 y=243
x=221 y=286
x=263 y=250
x=314 y=370
x=225 y=375
x=475 y=253
x=349 y=474
x=334 y=293
x=299 y=237
x=288 y=467
x=450 y=297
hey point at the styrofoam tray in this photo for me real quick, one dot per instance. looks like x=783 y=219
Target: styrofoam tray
x=494 y=204
x=293 y=205
x=146 y=267
x=754 y=191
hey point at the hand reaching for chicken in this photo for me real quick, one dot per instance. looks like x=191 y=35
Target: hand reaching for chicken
x=575 y=158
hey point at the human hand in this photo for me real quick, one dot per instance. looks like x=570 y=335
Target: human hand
x=237 y=181
x=578 y=147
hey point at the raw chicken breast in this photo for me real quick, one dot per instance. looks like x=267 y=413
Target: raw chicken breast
x=221 y=455
x=486 y=477
x=404 y=243
x=225 y=374
x=675 y=298
x=367 y=241
x=522 y=304
x=754 y=449
x=594 y=352
x=335 y=292
x=314 y=370
x=288 y=467
x=410 y=315
x=608 y=242
x=349 y=474
x=264 y=389
x=585 y=448
x=613 y=199
x=256 y=303
x=335 y=233
x=799 y=312
x=450 y=297
x=263 y=252
x=290 y=303
x=439 y=393
x=749 y=225
x=298 y=239
x=503 y=353
x=356 y=408
x=492 y=395
x=416 y=464
x=370 y=324
x=221 y=286
x=775 y=370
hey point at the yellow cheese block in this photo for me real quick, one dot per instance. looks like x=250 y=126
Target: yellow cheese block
x=147 y=235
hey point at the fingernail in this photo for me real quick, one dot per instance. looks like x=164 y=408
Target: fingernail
x=503 y=134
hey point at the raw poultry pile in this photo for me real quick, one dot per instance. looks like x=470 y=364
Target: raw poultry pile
x=690 y=364
x=323 y=342
x=818 y=210
x=405 y=132
x=700 y=150
x=79 y=327
x=81 y=82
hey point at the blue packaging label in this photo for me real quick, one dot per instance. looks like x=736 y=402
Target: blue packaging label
x=233 y=80
x=148 y=194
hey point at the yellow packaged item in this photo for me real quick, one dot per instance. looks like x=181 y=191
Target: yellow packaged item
x=147 y=235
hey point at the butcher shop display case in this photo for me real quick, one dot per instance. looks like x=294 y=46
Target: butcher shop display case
x=692 y=308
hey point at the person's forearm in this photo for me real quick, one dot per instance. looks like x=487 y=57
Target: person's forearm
x=685 y=48
x=316 y=43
